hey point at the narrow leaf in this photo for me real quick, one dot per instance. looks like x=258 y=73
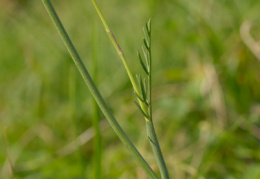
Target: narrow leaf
x=152 y=141
x=145 y=44
x=145 y=115
x=143 y=88
x=148 y=27
x=139 y=97
x=145 y=52
x=142 y=63
x=146 y=35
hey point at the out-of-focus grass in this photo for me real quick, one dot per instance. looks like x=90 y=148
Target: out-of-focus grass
x=206 y=88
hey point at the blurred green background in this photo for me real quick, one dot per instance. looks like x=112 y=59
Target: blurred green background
x=206 y=88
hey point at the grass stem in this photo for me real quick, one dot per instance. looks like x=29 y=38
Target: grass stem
x=147 y=115
x=95 y=92
x=121 y=55
x=149 y=124
x=156 y=149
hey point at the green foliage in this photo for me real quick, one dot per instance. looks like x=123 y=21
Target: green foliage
x=205 y=87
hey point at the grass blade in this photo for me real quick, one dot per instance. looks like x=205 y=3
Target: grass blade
x=145 y=44
x=145 y=52
x=142 y=63
x=148 y=27
x=143 y=88
x=139 y=107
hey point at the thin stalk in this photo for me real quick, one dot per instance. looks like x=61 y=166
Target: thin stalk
x=149 y=124
x=156 y=149
x=150 y=127
x=96 y=114
x=95 y=92
x=121 y=55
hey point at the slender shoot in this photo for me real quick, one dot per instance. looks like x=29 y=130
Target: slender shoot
x=120 y=53
x=95 y=92
x=147 y=52
x=143 y=103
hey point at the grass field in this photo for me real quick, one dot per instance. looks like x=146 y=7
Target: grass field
x=206 y=89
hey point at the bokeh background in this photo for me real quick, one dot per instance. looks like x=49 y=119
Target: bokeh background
x=206 y=88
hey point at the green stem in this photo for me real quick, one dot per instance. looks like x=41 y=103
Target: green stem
x=150 y=128
x=149 y=124
x=156 y=149
x=121 y=55
x=95 y=92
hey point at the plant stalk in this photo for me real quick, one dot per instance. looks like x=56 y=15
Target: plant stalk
x=149 y=124
x=156 y=149
x=121 y=55
x=95 y=92
x=147 y=115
